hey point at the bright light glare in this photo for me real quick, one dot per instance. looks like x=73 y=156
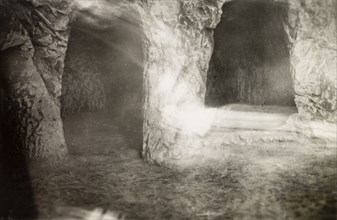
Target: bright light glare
x=189 y=119
x=166 y=83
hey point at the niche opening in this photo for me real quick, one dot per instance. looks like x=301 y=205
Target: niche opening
x=250 y=63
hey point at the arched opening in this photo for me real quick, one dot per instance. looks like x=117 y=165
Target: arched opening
x=102 y=84
x=250 y=63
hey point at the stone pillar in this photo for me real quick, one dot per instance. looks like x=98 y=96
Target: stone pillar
x=33 y=43
x=178 y=47
x=311 y=28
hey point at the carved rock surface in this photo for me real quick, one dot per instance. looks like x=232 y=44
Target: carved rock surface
x=178 y=48
x=250 y=63
x=104 y=60
x=82 y=87
x=312 y=32
x=33 y=43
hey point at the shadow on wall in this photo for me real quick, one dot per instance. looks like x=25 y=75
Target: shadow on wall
x=103 y=74
x=16 y=194
x=250 y=63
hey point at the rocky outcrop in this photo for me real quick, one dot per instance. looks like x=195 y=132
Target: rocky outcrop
x=33 y=44
x=312 y=33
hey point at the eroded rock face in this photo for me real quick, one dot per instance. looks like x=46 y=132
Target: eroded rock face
x=177 y=52
x=104 y=62
x=33 y=44
x=178 y=48
x=312 y=33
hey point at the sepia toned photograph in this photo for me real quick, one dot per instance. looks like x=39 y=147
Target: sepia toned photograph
x=168 y=110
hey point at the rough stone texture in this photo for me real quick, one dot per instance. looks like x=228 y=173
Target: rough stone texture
x=82 y=86
x=178 y=47
x=312 y=32
x=33 y=43
x=177 y=126
x=177 y=52
x=104 y=63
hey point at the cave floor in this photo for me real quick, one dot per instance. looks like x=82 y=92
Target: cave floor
x=104 y=175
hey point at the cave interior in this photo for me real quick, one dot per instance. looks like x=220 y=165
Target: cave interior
x=112 y=168
x=102 y=81
x=103 y=78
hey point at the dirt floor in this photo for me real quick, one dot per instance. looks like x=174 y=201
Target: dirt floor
x=105 y=178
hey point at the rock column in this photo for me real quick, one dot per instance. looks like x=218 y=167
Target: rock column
x=33 y=43
x=311 y=28
x=178 y=47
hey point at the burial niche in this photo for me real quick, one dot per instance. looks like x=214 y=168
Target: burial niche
x=250 y=63
x=102 y=83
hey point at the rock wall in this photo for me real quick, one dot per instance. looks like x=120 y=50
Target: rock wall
x=179 y=43
x=103 y=67
x=312 y=32
x=178 y=48
x=33 y=43
x=82 y=84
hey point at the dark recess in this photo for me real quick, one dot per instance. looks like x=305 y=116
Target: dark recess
x=250 y=63
x=16 y=194
x=111 y=58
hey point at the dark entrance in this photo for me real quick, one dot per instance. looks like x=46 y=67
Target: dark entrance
x=102 y=84
x=250 y=63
